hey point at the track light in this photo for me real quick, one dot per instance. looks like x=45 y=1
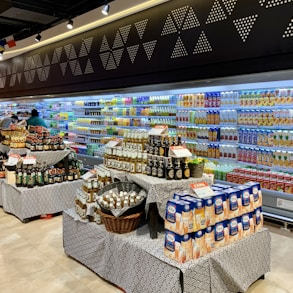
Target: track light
x=106 y=9
x=38 y=38
x=70 y=24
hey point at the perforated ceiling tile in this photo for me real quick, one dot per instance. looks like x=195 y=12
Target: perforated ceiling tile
x=12 y=80
x=37 y=60
x=289 y=30
x=118 y=41
x=140 y=27
x=8 y=70
x=229 y=4
x=244 y=25
x=88 y=68
x=105 y=45
x=273 y=3
x=56 y=55
x=191 y=20
x=70 y=51
x=179 y=15
x=149 y=48
x=261 y=2
x=111 y=63
x=63 y=67
x=169 y=26
x=104 y=58
x=85 y=47
x=75 y=67
x=132 y=52
x=125 y=32
x=46 y=60
x=179 y=49
x=19 y=75
x=202 y=45
x=217 y=13
x=118 y=55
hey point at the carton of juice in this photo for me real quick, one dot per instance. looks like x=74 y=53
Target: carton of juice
x=221 y=232
x=235 y=228
x=178 y=247
x=198 y=208
x=233 y=202
x=178 y=217
x=220 y=206
x=255 y=194
x=258 y=219
x=198 y=244
x=247 y=224
x=246 y=201
x=210 y=239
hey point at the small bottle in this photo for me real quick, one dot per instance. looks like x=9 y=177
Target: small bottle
x=149 y=165
x=161 y=169
x=144 y=163
x=178 y=170
x=169 y=174
x=18 y=179
x=155 y=166
x=185 y=170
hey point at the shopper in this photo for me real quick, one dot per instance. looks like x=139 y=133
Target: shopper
x=35 y=120
x=7 y=121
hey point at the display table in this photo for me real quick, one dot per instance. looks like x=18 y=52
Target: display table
x=137 y=263
x=2 y=180
x=26 y=203
x=159 y=191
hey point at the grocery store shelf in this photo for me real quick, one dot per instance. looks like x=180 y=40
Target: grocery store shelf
x=89 y=161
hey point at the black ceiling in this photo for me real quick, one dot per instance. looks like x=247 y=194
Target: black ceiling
x=24 y=18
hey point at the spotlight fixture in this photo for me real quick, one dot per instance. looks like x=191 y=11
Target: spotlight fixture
x=38 y=38
x=106 y=9
x=70 y=24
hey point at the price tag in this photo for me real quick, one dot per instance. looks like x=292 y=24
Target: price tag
x=113 y=143
x=89 y=174
x=29 y=160
x=158 y=130
x=179 y=152
x=13 y=159
x=202 y=189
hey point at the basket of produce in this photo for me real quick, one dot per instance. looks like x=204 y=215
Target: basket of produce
x=121 y=198
x=123 y=224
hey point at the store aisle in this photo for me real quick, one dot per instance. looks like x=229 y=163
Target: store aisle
x=32 y=260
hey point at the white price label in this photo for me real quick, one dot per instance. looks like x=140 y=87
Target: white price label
x=179 y=152
x=158 y=130
x=29 y=160
x=13 y=159
x=285 y=204
x=202 y=189
x=113 y=143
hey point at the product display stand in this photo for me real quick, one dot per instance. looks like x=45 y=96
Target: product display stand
x=1 y=188
x=159 y=192
x=137 y=263
x=26 y=203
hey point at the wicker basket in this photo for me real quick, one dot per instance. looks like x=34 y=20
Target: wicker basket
x=123 y=224
x=124 y=186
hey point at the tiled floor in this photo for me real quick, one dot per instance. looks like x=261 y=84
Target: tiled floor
x=32 y=260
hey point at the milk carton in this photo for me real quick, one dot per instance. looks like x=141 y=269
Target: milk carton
x=179 y=195
x=178 y=247
x=209 y=211
x=258 y=220
x=198 y=244
x=210 y=238
x=246 y=199
x=222 y=186
x=233 y=202
x=220 y=206
x=178 y=218
x=255 y=193
x=199 y=220
x=235 y=230
x=247 y=225
x=221 y=233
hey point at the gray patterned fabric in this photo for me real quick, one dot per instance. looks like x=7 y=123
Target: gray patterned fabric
x=137 y=263
x=160 y=190
x=25 y=203
x=1 y=191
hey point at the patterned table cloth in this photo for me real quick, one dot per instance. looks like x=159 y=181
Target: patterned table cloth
x=161 y=190
x=25 y=203
x=1 y=192
x=50 y=157
x=137 y=263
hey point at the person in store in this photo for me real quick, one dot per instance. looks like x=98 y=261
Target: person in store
x=35 y=120
x=7 y=121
